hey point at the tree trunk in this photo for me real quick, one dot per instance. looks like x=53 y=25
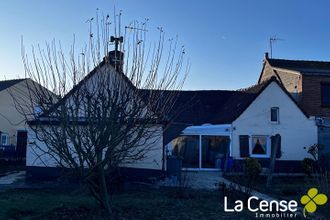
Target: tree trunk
x=104 y=195
x=104 y=191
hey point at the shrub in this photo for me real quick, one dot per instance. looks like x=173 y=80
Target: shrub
x=290 y=191
x=252 y=167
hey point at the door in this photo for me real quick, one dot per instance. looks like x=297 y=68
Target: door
x=214 y=151
x=21 y=144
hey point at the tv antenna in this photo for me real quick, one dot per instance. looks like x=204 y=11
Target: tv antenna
x=272 y=40
x=135 y=26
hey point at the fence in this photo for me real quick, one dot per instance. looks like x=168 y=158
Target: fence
x=10 y=154
x=324 y=141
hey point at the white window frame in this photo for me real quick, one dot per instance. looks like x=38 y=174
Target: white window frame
x=268 y=147
x=7 y=139
x=278 y=115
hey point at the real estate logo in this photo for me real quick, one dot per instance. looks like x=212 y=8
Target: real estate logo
x=312 y=199
x=278 y=209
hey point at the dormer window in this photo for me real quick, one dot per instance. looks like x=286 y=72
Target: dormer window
x=274 y=114
x=325 y=94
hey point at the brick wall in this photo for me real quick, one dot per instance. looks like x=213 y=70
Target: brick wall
x=266 y=73
x=311 y=95
x=306 y=90
x=291 y=81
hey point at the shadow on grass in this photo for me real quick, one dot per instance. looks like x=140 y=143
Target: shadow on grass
x=135 y=204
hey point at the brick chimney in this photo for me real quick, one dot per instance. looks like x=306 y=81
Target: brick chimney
x=116 y=59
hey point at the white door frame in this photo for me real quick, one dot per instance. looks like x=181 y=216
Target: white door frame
x=208 y=130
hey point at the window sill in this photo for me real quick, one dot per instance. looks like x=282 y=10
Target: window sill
x=259 y=156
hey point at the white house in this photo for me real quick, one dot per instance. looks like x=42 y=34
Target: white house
x=243 y=126
x=43 y=164
x=205 y=127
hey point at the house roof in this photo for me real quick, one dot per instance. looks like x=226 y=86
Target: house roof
x=209 y=106
x=194 y=107
x=9 y=83
x=217 y=106
x=305 y=67
x=106 y=60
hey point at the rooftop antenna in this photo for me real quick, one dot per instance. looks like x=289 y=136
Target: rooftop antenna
x=114 y=19
x=131 y=28
x=272 y=40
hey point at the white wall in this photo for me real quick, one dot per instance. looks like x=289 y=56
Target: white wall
x=295 y=129
x=37 y=153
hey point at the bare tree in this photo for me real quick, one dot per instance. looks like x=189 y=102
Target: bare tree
x=96 y=110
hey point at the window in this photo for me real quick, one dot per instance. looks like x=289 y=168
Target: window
x=260 y=146
x=274 y=114
x=325 y=94
x=4 y=139
x=201 y=151
x=187 y=147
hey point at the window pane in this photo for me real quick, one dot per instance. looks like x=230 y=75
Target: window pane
x=4 y=139
x=274 y=114
x=259 y=145
x=214 y=149
x=325 y=94
x=187 y=147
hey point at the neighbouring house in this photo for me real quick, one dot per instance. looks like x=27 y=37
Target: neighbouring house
x=307 y=81
x=309 y=84
x=13 y=129
x=240 y=124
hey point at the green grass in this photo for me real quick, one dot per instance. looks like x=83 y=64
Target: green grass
x=141 y=204
x=33 y=203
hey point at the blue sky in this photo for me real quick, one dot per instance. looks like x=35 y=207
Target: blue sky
x=225 y=40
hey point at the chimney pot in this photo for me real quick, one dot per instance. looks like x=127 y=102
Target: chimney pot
x=266 y=56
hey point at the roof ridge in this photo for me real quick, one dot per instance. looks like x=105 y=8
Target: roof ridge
x=315 y=61
x=5 y=84
x=202 y=90
x=8 y=80
x=260 y=85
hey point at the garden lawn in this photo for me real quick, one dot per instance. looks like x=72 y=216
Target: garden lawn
x=137 y=204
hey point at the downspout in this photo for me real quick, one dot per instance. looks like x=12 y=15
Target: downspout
x=231 y=140
x=163 y=149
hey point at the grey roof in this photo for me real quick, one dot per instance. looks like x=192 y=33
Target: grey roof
x=9 y=83
x=215 y=107
x=195 y=107
x=305 y=67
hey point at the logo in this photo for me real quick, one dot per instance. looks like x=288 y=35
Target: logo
x=264 y=208
x=311 y=200
x=278 y=209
